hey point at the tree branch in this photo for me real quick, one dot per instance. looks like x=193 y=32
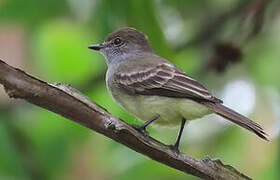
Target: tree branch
x=70 y=103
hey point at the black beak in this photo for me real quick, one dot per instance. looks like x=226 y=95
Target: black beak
x=96 y=47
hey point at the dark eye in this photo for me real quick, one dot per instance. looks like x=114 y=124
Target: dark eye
x=117 y=41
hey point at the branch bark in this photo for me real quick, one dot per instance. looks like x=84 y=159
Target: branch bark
x=70 y=103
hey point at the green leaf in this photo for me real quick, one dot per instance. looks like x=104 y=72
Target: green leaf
x=61 y=53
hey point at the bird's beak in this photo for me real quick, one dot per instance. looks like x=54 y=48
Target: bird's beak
x=96 y=47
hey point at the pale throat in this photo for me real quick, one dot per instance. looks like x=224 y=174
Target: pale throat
x=116 y=58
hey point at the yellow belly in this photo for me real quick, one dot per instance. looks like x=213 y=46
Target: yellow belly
x=171 y=110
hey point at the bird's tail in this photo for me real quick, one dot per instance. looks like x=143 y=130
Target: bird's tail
x=237 y=118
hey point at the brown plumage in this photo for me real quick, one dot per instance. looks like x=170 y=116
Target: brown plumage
x=236 y=118
x=162 y=78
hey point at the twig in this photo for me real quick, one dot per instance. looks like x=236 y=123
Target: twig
x=70 y=103
x=211 y=28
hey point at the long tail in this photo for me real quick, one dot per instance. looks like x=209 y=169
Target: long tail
x=236 y=118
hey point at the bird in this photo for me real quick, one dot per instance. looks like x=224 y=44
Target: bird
x=155 y=90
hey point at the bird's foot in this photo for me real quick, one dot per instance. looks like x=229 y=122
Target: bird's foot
x=141 y=129
x=174 y=148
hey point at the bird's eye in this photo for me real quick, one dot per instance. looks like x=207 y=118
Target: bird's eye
x=117 y=41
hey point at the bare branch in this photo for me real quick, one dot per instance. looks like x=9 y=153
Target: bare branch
x=243 y=9
x=70 y=103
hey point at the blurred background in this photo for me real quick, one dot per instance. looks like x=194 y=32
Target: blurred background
x=232 y=47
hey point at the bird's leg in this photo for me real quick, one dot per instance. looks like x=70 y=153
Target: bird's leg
x=142 y=128
x=175 y=147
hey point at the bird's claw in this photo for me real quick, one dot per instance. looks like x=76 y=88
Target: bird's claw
x=174 y=148
x=140 y=129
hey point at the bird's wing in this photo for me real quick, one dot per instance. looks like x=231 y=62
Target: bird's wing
x=159 y=77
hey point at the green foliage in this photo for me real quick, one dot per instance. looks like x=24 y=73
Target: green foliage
x=11 y=162
x=37 y=144
x=32 y=12
x=59 y=46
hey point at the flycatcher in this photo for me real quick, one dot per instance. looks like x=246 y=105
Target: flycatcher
x=155 y=90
